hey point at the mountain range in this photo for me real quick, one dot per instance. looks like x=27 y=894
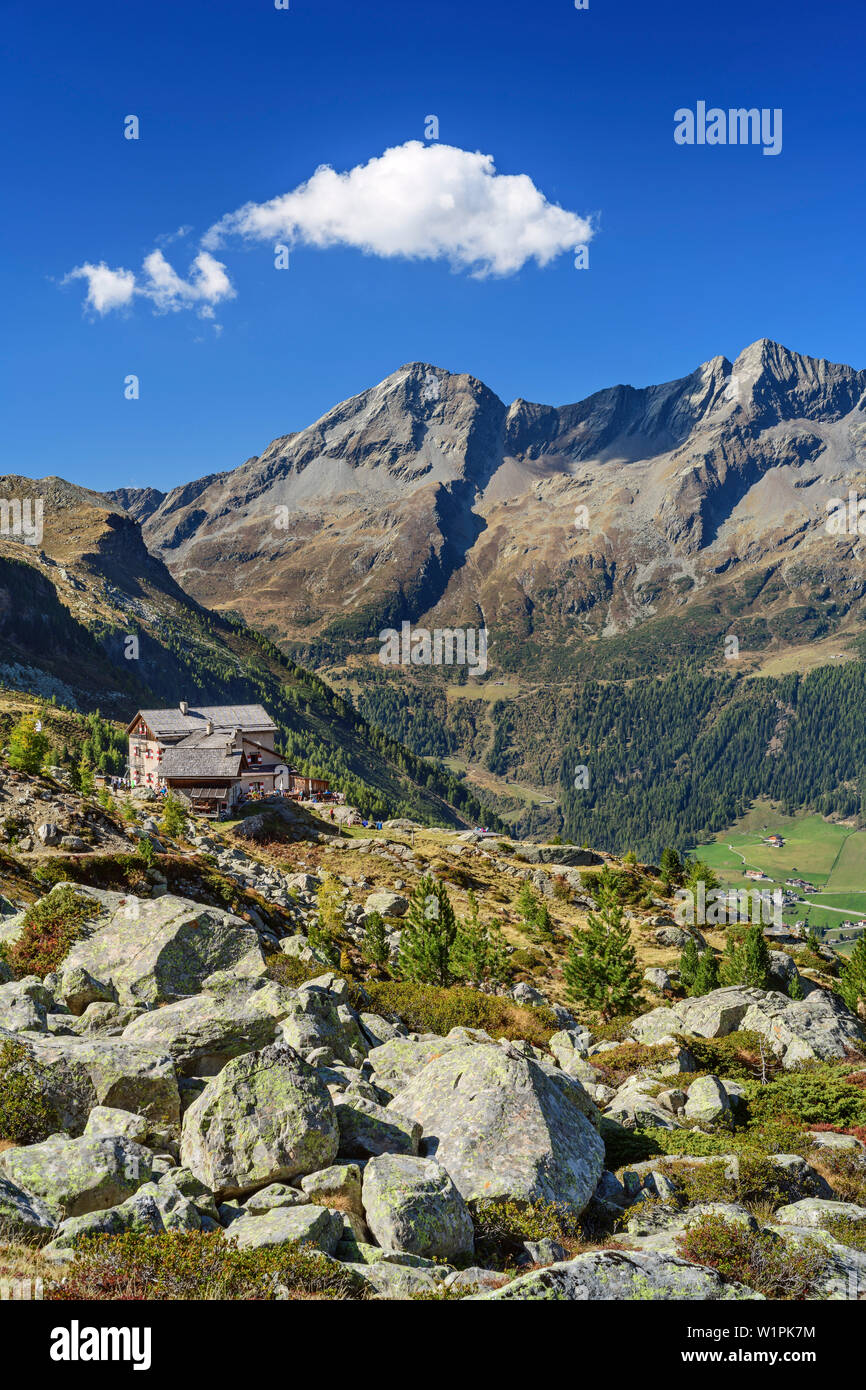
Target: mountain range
x=559 y=529
x=674 y=628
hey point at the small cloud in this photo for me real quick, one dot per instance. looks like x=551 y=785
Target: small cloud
x=107 y=289
x=430 y=202
x=168 y=237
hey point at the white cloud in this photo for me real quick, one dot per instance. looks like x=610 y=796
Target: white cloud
x=419 y=201
x=107 y=289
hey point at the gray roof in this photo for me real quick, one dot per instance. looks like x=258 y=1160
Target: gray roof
x=199 y=762
x=250 y=718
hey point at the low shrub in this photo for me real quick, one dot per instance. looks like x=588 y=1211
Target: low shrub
x=620 y=1063
x=623 y=1146
x=762 y=1261
x=199 y=1265
x=844 y=1170
x=26 y=1116
x=51 y=928
x=752 y=1180
x=437 y=1009
x=502 y=1225
x=742 y=1056
x=291 y=972
x=847 y=1231
x=818 y=1094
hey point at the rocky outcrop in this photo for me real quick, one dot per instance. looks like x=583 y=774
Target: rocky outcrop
x=155 y=950
x=818 y=1027
x=266 y=1118
x=503 y=1128
x=411 y=1205
x=622 y=1275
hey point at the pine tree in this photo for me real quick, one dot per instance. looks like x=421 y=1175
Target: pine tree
x=756 y=958
x=689 y=964
x=707 y=974
x=695 y=872
x=671 y=869
x=427 y=939
x=28 y=747
x=173 y=820
x=749 y=962
x=601 y=970
x=478 y=954
x=795 y=988
x=85 y=776
x=543 y=923
x=375 y=945
x=852 y=980
x=527 y=905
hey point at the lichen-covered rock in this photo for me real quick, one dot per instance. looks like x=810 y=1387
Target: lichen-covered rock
x=412 y=1205
x=315 y=1019
x=304 y=1225
x=387 y=904
x=24 y=1005
x=399 y=1281
x=228 y=1018
x=570 y=1047
x=634 y=1106
x=368 y=1129
x=155 y=1207
x=75 y=1074
x=397 y=1061
x=814 y=1211
x=266 y=1118
x=21 y=1213
x=105 y=1121
x=276 y=1194
x=502 y=1127
x=154 y=950
x=820 y=1026
x=378 y=1030
x=621 y=1275
x=78 y=989
x=76 y=1176
x=707 y=1100
x=337 y=1187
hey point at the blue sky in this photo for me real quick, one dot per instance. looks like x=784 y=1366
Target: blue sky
x=696 y=250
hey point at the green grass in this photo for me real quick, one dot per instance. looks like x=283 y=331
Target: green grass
x=831 y=856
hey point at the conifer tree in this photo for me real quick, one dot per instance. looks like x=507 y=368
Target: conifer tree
x=795 y=988
x=527 y=905
x=543 y=923
x=375 y=945
x=671 y=869
x=689 y=964
x=478 y=955
x=756 y=958
x=749 y=962
x=852 y=981
x=29 y=746
x=173 y=820
x=707 y=974
x=427 y=939
x=601 y=970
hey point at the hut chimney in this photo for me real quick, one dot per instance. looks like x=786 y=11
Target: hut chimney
x=184 y=707
x=209 y=726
